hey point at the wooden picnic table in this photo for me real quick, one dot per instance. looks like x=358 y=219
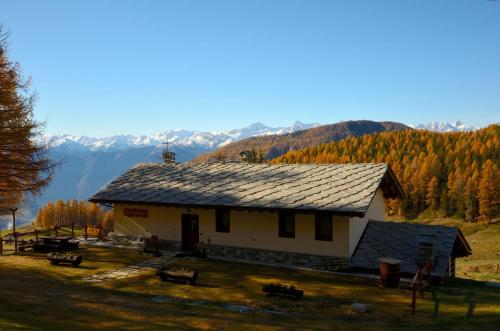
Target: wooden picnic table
x=49 y=244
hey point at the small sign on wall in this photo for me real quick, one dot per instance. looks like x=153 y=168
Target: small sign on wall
x=135 y=212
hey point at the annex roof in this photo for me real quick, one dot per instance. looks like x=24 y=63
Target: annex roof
x=401 y=241
x=337 y=188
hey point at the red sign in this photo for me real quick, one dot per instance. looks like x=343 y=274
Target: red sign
x=135 y=212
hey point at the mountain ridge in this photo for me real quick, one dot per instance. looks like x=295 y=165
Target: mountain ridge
x=206 y=139
x=177 y=137
x=276 y=145
x=457 y=126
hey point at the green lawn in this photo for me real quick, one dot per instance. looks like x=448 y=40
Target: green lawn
x=36 y=295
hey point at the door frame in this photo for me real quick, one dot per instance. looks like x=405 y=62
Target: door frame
x=190 y=231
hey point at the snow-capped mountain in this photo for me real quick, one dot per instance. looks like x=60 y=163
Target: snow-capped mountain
x=457 y=126
x=178 y=137
x=88 y=163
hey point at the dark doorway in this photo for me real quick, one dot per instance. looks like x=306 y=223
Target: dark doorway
x=190 y=232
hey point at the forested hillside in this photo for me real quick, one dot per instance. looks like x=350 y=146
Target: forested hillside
x=451 y=174
x=73 y=212
x=272 y=146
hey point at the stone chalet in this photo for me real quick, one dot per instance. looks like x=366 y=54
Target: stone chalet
x=324 y=216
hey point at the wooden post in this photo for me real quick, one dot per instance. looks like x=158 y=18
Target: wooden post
x=1 y=245
x=86 y=234
x=36 y=234
x=55 y=229
x=413 y=300
x=430 y=275
x=13 y=210
x=100 y=232
x=72 y=230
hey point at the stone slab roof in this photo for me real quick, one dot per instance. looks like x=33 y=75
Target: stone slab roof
x=338 y=188
x=401 y=241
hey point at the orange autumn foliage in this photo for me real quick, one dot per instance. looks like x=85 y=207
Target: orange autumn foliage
x=451 y=174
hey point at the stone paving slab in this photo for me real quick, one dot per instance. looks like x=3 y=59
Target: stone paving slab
x=134 y=269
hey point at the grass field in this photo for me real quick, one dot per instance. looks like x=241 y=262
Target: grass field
x=36 y=295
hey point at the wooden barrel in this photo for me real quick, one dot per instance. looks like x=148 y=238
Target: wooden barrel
x=389 y=272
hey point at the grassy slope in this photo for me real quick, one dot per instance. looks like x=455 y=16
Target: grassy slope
x=36 y=295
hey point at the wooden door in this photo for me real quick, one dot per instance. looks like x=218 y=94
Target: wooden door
x=190 y=232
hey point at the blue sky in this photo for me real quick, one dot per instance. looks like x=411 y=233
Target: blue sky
x=139 y=67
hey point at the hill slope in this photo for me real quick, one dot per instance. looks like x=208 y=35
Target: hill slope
x=447 y=173
x=276 y=145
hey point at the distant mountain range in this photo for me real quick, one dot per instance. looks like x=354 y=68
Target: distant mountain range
x=178 y=137
x=457 y=126
x=275 y=145
x=88 y=163
x=201 y=139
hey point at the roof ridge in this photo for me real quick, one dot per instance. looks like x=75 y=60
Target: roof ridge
x=193 y=163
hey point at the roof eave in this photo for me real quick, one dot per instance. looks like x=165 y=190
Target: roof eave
x=463 y=241
x=391 y=186
x=262 y=209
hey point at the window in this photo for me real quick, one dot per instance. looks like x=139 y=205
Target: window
x=222 y=220
x=323 y=227
x=287 y=225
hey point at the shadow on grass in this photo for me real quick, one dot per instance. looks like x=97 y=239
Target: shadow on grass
x=54 y=302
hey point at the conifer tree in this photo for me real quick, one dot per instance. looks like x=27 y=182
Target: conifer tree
x=449 y=173
x=24 y=166
x=489 y=199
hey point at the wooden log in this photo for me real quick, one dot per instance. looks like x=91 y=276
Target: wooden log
x=278 y=289
x=57 y=259
x=178 y=275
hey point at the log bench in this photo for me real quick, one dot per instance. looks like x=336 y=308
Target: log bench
x=278 y=289
x=178 y=275
x=67 y=259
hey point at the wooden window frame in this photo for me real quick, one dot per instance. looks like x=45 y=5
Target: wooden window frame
x=317 y=227
x=219 y=220
x=282 y=219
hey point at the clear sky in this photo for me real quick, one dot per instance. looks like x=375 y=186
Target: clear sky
x=139 y=67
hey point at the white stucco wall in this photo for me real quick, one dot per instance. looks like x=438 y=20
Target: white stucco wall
x=253 y=229
x=248 y=229
x=357 y=225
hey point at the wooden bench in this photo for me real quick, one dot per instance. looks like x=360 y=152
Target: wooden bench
x=24 y=245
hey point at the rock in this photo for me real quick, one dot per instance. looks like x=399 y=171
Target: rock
x=359 y=307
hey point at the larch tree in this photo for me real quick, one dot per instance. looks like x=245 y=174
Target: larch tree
x=432 y=196
x=489 y=199
x=439 y=172
x=24 y=165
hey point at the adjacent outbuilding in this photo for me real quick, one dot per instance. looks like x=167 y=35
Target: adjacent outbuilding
x=404 y=242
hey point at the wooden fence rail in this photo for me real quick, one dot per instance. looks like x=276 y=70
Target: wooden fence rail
x=92 y=231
